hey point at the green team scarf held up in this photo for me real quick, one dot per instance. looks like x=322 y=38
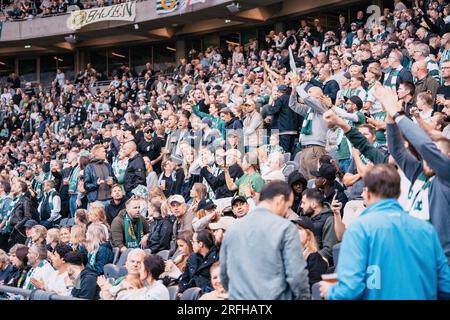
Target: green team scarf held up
x=132 y=238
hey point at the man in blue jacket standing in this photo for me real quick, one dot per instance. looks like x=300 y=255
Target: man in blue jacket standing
x=387 y=254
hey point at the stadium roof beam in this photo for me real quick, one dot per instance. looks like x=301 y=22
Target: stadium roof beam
x=207 y=26
x=112 y=40
x=260 y=14
x=162 y=32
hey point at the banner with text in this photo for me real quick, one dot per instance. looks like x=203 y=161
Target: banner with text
x=122 y=12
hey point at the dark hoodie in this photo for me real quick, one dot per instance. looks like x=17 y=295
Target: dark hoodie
x=87 y=287
x=293 y=178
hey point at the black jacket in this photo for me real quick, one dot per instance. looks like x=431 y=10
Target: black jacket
x=152 y=149
x=196 y=273
x=160 y=235
x=88 y=286
x=21 y=214
x=234 y=124
x=294 y=177
x=218 y=183
x=112 y=210
x=135 y=173
x=284 y=118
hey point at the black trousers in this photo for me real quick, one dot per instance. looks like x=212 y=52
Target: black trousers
x=287 y=142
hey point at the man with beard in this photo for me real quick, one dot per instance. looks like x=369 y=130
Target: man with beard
x=326 y=181
x=129 y=227
x=151 y=146
x=116 y=204
x=313 y=206
x=298 y=184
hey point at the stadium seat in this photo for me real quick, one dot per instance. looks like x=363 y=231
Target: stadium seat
x=164 y=254
x=295 y=164
x=315 y=291
x=123 y=258
x=173 y=290
x=287 y=157
x=288 y=169
x=191 y=294
x=113 y=271
x=336 y=249
x=63 y=222
x=116 y=252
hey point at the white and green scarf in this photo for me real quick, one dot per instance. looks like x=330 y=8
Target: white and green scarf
x=418 y=204
x=307 y=124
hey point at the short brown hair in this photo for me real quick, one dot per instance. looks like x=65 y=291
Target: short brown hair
x=383 y=181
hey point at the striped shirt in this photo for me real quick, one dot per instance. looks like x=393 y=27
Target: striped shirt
x=433 y=68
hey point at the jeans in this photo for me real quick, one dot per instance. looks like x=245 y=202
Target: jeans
x=344 y=164
x=73 y=204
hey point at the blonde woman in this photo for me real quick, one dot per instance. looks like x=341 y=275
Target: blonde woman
x=78 y=238
x=316 y=264
x=52 y=239
x=38 y=234
x=97 y=214
x=152 y=176
x=99 y=249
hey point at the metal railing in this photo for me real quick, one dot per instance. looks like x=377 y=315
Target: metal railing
x=35 y=294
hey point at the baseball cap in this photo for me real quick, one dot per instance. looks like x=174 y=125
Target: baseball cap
x=224 y=223
x=30 y=223
x=226 y=111
x=207 y=121
x=326 y=170
x=177 y=198
x=238 y=198
x=305 y=223
x=206 y=204
x=356 y=100
x=282 y=87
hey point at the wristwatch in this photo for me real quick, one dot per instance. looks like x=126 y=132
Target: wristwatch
x=398 y=114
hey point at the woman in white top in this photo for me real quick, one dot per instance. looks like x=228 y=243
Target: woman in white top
x=153 y=289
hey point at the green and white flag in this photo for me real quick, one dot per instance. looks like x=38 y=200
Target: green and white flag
x=166 y=6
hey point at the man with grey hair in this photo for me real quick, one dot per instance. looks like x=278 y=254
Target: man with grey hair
x=424 y=80
x=41 y=270
x=274 y=169
x=422 y=53
x=118 y=289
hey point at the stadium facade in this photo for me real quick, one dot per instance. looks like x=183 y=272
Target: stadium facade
x=144 y=31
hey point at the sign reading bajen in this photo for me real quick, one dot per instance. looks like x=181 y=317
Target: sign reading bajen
x=123 y=12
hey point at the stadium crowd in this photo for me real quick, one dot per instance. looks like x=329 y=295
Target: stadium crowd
x=241 y=173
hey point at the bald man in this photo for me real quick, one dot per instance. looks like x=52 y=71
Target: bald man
x=135 y=174
x=424 y=80
x=314 y=129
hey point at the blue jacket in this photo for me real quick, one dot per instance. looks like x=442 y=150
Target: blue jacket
x=386 y=254
x=90 y=180
x=104 y=256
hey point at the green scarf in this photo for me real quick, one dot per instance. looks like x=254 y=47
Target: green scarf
x=307 y=123
x=132 y=239
x=92 y=257
x=73 y=180
x=8 y=228
x=28 y=285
